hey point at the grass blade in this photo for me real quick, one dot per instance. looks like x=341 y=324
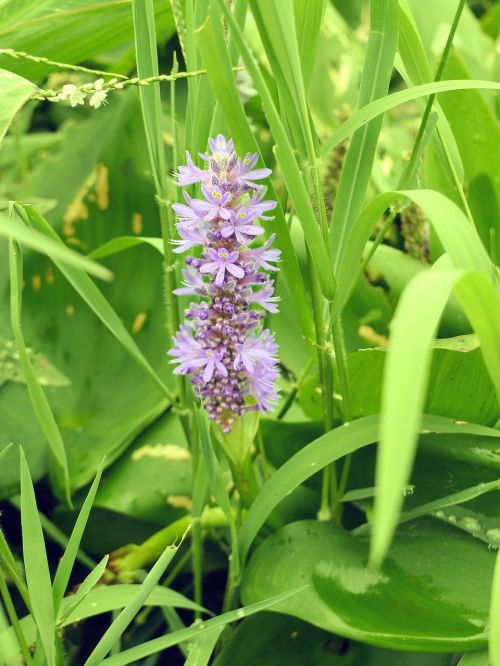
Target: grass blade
x=83 y=590
x=201 y=650
x=119 y=625
x=11 y=228
x=406 y=375
x=286 y=158
x=195 y=631
x=39 y=402
x=213 y=49
x=122 y=243
x=356 y=173
x=367 y=113
x=458 y=237
x=36 y=565
x=67 y=561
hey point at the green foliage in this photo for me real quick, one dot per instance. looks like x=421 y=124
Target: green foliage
x=357 y=523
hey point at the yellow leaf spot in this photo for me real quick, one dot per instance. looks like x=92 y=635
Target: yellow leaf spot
x=139 y=322
x=166 y=451
x=102 y=186
x=368 y=333
x=49 y=274
x=180 y=501
x=137 y=224
x=36 y=283
x=70 y=310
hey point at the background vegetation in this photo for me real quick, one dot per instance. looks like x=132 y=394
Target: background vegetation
x=379 y=120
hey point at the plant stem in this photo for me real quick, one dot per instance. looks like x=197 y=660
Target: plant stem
x=10 y=567
x=14 y=620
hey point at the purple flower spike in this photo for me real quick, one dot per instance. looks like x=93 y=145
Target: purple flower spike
x=232 y=361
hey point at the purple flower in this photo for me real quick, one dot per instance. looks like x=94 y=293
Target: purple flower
x=193 y=283
x=241 y=226
x=246 y=172
x=232 y=362
x=262 y=255
x=190 y=238
x=258 y=206
x=264 y=297
x=222 y=260
x=187 y=175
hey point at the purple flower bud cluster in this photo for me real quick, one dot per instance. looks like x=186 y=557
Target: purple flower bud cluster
x=231 y=360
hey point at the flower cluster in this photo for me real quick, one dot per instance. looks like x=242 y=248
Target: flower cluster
x=231 y=360
x=77 y=95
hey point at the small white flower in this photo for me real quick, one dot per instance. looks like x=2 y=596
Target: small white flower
x=71 y=93
x=99 y=96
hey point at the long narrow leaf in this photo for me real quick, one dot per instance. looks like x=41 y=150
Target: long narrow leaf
x=84 y=589
x=36 y=565
x=67 y=562
x=216 y=59
x=126 y=616
x=367 y=113
x=159 y=644
x=291 y=173
x=12 y=228
x=39 y=402
x=406 y=375
x=356 y=172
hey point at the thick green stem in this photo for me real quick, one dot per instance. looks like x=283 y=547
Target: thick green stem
x=131 y=558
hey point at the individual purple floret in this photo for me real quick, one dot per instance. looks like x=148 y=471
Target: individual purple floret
x=232 y=361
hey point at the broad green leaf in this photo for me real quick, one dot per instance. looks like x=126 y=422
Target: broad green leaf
x=97 y=302
x=459 y=385
x=39 y=401
x=111 y=398
x=195 y=631
x=118 y=626
x=67 y=561
x=14 y=91
x=475 y=659
x=494 y=637
x=11 y=368
x=356 y=171
x=435 y=583
x=406 y=377
x=261 y=638
x=71 y=31
x=36 y=566
x=161 y=459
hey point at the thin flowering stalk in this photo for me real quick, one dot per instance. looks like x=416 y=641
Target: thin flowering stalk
x=231 y=359
x=114 y=84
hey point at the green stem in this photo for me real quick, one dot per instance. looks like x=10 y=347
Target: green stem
x=14 y=620
x=138 y=557
x=10 y=567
